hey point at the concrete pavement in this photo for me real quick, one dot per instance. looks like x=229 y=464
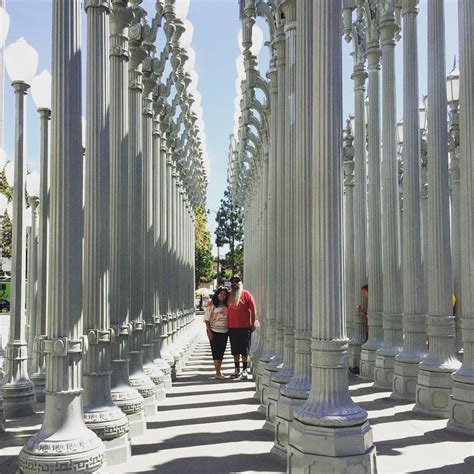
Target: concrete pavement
x=210 y=426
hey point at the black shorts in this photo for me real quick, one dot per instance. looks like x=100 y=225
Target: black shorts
x=218 y=345
x=240 y=341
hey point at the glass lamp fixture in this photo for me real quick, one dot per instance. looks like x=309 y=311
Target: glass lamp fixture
x=423 y=116
x=452 y=87
x=4 y=25
x=257 y=40
x=240 y=67
x=83 y=131
x=181 y=8
x=366 y=107
x=400 y=132
x=21 y=61
x=41 y=90
x=3 y=204
x=33 y=184
x=194 y=81
x=187 y=37
x=238 y=86
x=188 y=66
x=352 y=123
x=10 y=173
x=3 y=159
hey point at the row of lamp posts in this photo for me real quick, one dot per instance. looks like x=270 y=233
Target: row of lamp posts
x=284 y=169
x=112 y=316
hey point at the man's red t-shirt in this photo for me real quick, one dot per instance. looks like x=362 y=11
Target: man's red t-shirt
x=239 y=315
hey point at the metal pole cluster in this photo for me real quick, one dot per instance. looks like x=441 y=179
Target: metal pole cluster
x=112 y=320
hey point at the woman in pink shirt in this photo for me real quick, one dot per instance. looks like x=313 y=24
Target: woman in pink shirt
x=217 y=326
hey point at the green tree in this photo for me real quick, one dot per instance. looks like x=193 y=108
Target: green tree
x=6 y=223
x=204 y=265
x=230 y=231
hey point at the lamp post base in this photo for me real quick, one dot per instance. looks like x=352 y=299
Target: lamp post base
x=330 y=449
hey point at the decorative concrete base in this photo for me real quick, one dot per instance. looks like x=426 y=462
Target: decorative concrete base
x=137 y=424
x=264 y=388
x=405 y=377
x=118 y=450
x=39 y=384
x=317 y=449
x=462 y=411
x=383 y=371
x=149 y=406
x=79 y=450
x=354 y=353
x=273 y=396
x=433 y=394
x=367 y=364
x=283 y=420
x=18 y=400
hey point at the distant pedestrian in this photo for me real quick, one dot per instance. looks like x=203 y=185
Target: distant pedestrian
x=217 y=328
x=242 y=316
x=364 y=292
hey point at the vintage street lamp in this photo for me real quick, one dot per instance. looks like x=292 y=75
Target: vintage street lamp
x=41 y=93
x=19 y=399
x=32 y=189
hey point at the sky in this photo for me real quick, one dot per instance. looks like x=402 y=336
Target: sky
x=216 y=25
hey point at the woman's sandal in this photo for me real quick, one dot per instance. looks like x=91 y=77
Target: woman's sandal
x=219 y=377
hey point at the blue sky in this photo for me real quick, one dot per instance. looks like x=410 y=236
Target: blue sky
x=216 y=25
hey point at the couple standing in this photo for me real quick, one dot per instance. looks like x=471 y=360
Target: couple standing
x=231 y=314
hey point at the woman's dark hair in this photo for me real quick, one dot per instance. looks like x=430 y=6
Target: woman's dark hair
x=365 y=287
x=215 y=299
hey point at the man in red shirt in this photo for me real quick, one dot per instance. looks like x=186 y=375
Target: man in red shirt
x=241 y=311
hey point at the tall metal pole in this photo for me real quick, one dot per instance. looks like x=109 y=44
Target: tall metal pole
x=64 y=442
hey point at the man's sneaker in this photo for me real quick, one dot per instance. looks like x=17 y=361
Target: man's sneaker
x=245 y=374
x=235 y=375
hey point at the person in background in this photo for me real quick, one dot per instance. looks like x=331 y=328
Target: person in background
x=364 y=291
x=242 y=314
x=217 y=328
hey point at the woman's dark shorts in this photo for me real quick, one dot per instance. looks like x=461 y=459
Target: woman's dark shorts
x=218 y=345
x=240 y=341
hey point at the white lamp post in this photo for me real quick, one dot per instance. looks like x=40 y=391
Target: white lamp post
x=452 y=89
x=4 y=26
x=41 y=93
x=33 y=189
x=19 y=399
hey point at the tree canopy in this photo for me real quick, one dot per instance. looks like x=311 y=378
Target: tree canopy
x=204 y=270
x=230 y=231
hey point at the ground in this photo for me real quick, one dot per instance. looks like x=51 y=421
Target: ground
x=205 y=425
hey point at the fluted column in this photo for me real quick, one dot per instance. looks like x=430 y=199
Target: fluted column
x=414 y=332
x=158 y=267
x=100 y=414
x=433 y=391
x=263 y=381
x=17 y=390
x=279 y=277
x=359 y=76
x=329 y=429
x=136 y=282
x=297 y=389
x=287 y=287
x=349 y=277
x=461 y=420
x=374 y=204
x=64 y=443
x=32 y=279
x=38 y=373
x=392 y=288
x=149 y=367
x=123 y=395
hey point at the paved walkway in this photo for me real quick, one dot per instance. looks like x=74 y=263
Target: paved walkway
x=208 y=426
